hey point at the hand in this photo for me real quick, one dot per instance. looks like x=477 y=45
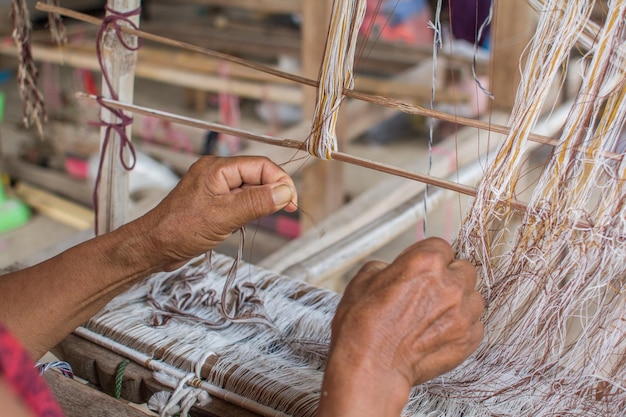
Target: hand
x=216 y=197
x=399 y=325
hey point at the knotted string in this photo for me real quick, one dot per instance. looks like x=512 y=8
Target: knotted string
x=63 y=367
x=112 y=20
x=34 y=111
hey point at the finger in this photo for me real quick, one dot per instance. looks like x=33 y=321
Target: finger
x=476 y=306
x=291 y=207
x=246 y=171
x=254 y=171
x=255 y=202
x=433 y=245
x=367 y=272
x=372 y=267
x=465 y=272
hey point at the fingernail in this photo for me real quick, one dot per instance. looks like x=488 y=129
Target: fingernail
x=282 y=194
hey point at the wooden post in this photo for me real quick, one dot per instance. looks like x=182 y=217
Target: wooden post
x=322 y=189
x=119 y=63
x=512 y=29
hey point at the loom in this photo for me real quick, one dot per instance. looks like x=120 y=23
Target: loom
x=552 y=268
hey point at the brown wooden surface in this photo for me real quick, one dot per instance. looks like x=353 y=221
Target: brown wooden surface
x=322 y=181
x=79 y=400
x=512 y=30
x=202 y=73
x=50 y=179
x=55 y=207
x=267 y=41
x=99 y=366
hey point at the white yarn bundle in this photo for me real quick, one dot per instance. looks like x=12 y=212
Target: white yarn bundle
x=336 y=74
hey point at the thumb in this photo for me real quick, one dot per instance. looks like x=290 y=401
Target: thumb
x=255 y=202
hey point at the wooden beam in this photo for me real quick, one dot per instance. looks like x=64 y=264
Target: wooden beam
x=199 y=72
x=322 y=181
x=55 y=181
x=268 y=42
x=80 y=400
x=55 y=207
x=119 y=63
x=98 y=366
x=512 y=30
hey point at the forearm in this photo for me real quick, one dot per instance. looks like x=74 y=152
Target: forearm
x=43 y=303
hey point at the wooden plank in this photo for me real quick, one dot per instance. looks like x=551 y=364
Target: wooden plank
x=119 y=64
x=512 y=30
x=172 y=75
x=56 y=181
x=199 y=72
x=259 y=40
x=79 y=400
x=322 y=181
x=315 y=258
x=55 y=207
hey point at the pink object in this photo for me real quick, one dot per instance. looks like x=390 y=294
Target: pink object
x=77 y=167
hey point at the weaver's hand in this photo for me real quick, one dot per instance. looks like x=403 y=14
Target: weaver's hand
x=399 y=325
x=216 y=197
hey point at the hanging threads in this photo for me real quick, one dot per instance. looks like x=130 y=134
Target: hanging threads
x=336 y=74
x=63 y=367
x=34 y=111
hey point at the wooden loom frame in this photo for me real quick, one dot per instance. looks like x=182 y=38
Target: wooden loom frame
x=113 y=219
x=322 y=170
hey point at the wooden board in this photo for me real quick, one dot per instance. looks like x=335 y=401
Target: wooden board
x=79 y=400
x=512 y=30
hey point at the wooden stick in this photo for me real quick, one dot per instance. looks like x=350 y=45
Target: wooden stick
x=294 y=144
x=383 y=101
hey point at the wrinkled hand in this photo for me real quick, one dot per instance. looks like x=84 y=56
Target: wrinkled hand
x=399 y=325
x=216 y=197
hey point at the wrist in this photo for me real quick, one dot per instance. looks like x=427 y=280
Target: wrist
x=132 y=248
x=361 y=387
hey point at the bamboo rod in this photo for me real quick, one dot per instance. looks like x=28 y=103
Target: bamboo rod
x=375 y=99
x=295 y=144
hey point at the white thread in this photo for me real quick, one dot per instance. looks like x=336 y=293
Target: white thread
x=336 y=74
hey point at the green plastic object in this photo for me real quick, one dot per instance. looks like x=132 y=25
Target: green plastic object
x=13 y=213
